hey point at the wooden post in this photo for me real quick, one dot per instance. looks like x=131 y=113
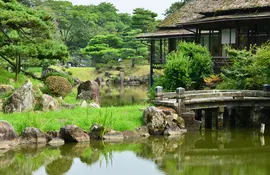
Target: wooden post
x=199 y=115
x=255 y=112
x=159 y=93
x=160 y=51
x=262 y=140
x=122 y=78
x=226 y=119
x=172 y=45
x=208 y=119
x=180 y=99
x=232 y=117
x=152 y=58
x=215 y=118
x=262 y=128
x=220 y=118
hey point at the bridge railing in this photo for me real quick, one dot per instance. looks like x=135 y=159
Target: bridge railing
x=188 y=95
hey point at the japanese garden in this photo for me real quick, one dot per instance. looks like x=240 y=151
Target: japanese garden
x=87 y=87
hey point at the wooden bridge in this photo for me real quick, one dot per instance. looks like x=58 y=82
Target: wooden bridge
x=219 y=106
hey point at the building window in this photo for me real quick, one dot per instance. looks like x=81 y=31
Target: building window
x=228 y=38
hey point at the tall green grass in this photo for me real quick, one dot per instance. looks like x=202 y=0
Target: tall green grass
x=117 y=118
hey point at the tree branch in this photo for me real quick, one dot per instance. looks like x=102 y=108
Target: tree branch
x=10 y=62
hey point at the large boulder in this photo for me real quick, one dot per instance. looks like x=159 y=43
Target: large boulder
x=5 y=89
x=154 y=118
x=32 y=135
x=21 y=100
x=7 y=131
x=89 y=90
x=72 y=133
x=47 y=103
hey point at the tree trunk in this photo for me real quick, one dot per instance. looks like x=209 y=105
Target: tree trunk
x=18 y=67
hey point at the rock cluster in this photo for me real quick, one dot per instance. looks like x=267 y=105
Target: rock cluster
x=162 y=121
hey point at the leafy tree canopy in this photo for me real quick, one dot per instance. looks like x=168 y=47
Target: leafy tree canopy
x=26 y=33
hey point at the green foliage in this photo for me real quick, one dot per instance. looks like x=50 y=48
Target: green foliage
x=201 y=64
x=249 y=69
x=27 y=36
x=186 y=68
x=177 y=72
x=144 y=20
x=58 y=86
x=111 y=63
x=104 y=48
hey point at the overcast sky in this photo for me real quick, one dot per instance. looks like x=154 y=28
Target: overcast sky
x=127 y=6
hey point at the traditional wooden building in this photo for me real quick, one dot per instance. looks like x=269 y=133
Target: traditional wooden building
x=214 y=24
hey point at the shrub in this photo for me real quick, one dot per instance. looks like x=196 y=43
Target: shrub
x=201 y=64
x=70 y=73
x=58 y=86
x=249 y=70
x=186 y=67
x=59 y=74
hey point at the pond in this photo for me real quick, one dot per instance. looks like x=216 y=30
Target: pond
x=121 y=96
x=224 y=152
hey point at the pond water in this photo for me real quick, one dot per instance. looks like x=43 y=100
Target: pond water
x=217 y=153
x=126 y=95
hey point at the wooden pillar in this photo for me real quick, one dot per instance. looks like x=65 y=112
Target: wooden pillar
x=220 y=42
x=255 y=112
x=159 y=93
x=172 y=44
x=180 y=99
x=232 y=115
x=237 y=33
x=152 y=58
x=122 y=78
x=160 y=51
x=199 y=115
x=208 y=119
x=220 y=118
x=226 y=119
x=248 y=39
x=197 y=40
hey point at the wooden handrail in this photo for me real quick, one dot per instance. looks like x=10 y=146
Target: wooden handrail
x=216 y=93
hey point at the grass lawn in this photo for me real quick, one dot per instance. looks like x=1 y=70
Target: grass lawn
x=8 y=78
x=117 y=118
x=90 y=73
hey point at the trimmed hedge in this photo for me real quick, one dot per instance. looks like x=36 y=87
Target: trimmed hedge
x=58 y=74
x=58 y=86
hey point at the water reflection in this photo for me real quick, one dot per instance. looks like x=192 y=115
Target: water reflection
x=125 y=95
x=234 y=152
